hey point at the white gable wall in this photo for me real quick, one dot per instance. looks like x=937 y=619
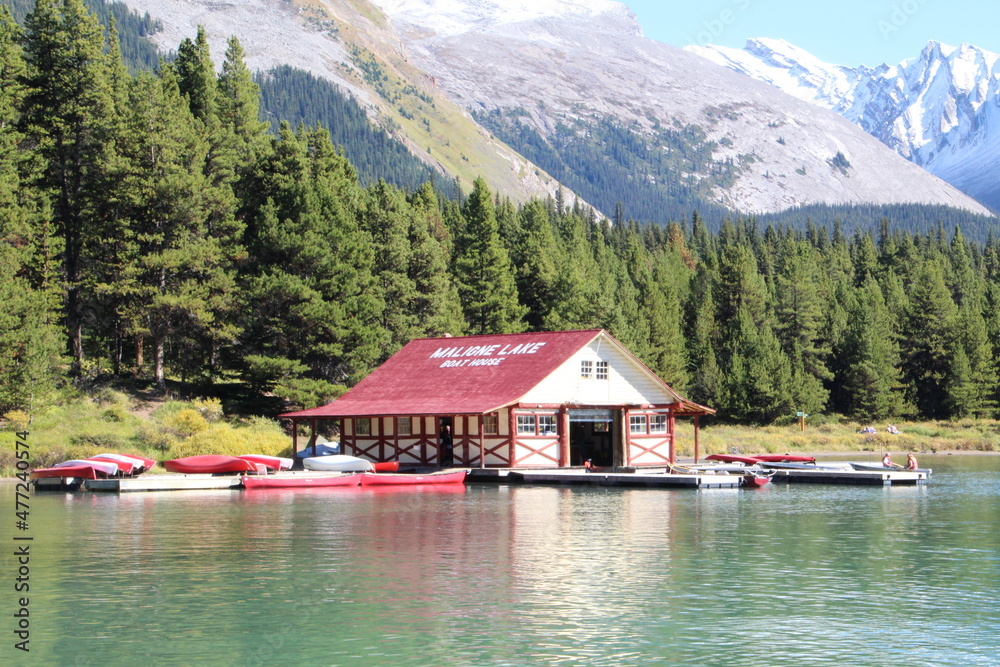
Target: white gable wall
x=627 y=383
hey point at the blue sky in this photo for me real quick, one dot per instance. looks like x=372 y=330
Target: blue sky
x=845 y=32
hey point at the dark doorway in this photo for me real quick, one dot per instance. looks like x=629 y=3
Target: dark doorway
x=446 y=442
x=590 y=440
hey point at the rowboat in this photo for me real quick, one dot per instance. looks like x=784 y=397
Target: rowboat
x=757 y=478
x=387 y=466
x=271 y=462
x=457 y=477
x=338 y=463
x=213 y=464
x=300 y=481
x=859 y=465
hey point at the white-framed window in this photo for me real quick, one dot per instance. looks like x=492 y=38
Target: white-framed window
x=637 y=424
x=526 y=424
x=547 y=425
x=362 y=426
x=491 y=425
x=404 y=426
x=586 y=369
x=602 y=370
x=658 y=424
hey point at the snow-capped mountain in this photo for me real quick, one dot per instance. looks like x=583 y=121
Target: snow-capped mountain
x=555 y=62
x=420 y=67
x=941 y=109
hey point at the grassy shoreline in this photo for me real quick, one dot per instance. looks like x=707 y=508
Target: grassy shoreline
x=161 y=429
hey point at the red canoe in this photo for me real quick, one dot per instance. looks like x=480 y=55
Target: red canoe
x=732 y=458
x=272 y=462
x=213 y=464
x=785 y=458
x=82 y=471
x=300 y=482
x=139 y=463
x=387 y=466
x=369 y=479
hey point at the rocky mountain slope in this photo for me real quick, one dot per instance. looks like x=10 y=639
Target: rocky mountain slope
x=558 y=64
x=351 y=43
x=940 y=109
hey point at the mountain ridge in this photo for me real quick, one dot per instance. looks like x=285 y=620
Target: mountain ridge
x=939 y=109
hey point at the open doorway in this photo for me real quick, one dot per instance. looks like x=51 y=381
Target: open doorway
x=446 y=442
x=591 y=436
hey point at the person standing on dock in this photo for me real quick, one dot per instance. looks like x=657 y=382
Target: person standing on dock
x=447 y=449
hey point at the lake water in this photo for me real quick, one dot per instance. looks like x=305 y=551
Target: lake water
x=487 y=575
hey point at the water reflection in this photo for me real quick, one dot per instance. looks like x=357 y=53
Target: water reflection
x=787 y=575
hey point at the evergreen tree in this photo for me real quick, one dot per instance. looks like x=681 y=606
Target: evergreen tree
x=929 y=339
x=482 y=269
x=535 y=256
x=871 y=376
x=66 y=113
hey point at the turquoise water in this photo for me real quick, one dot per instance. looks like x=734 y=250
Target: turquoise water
x=485 y=575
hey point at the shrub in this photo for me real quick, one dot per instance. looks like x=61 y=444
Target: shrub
x=101 y=440
x=149 y=437
x=186 y=422
x=16 y=420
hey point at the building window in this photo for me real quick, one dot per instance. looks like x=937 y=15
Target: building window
x=526 y=424
x=602 y=427
x=658 y=424
x=637 y=424
x=602 y=370
x=362 y=426
x=491 y=425
x=586 y=369
x=404 y=426
x=546 y=425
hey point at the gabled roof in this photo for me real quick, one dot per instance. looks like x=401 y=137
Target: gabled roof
x=466 y=375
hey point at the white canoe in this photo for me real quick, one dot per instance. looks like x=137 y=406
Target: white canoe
x=338 y=462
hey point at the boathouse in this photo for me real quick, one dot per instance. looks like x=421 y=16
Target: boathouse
x=510 y=400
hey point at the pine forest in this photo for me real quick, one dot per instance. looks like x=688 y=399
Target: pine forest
x=153 y=226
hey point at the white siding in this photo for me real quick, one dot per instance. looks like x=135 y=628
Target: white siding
x=627 y=383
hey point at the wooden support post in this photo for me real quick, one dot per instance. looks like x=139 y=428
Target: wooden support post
x=696 y=452
x=312 y=434
x=512 y=427
x=563 y=437
x=672 y=427
x=482 y=442
x=295 y=435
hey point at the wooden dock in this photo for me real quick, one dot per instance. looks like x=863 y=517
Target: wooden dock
x=888 y=477
x=577 y=477
x=164 y=482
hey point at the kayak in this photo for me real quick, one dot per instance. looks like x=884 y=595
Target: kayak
x=457 y=477
x=272 y=462
x=213 y=464
x=300 y=481
x=338 y=463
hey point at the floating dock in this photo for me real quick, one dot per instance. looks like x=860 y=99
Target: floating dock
x=164 y=482
x=577 y=477
x=888 y=477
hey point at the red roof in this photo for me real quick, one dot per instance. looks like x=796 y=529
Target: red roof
x=453 y=376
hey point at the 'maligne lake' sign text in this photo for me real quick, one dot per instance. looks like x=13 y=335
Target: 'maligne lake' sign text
x=481 y=355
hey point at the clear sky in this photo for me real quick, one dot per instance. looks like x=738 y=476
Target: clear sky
x=843 y=32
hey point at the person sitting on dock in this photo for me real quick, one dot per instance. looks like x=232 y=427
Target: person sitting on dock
x=911 y=461
x=887 y=461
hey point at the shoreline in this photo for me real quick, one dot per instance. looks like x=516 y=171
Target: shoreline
x=826 y=455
